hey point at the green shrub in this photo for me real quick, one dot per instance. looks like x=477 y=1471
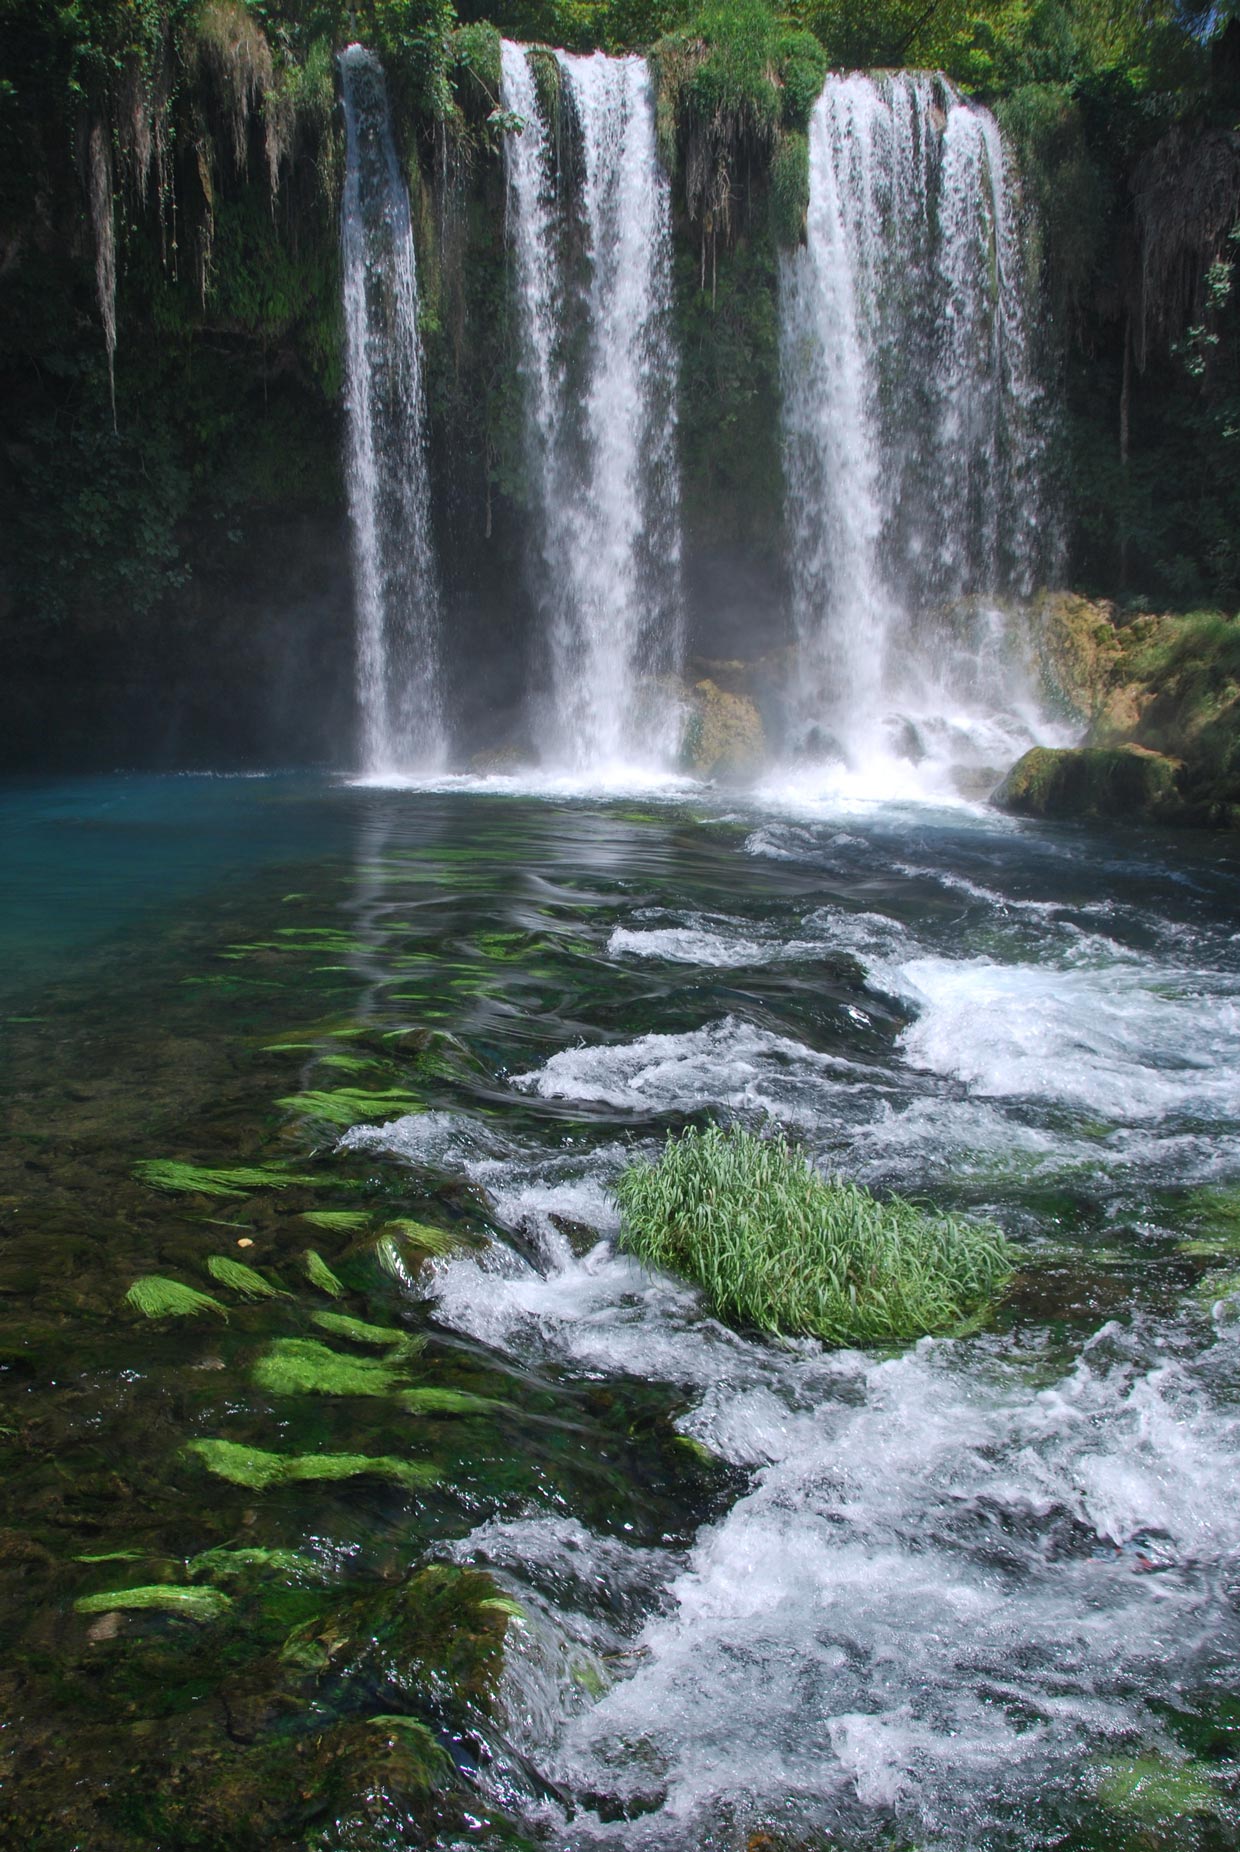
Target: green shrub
x=774 y=1244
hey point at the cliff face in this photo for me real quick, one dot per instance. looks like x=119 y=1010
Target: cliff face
x=174 y=557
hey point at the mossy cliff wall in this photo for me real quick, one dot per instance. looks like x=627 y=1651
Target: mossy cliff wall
x=174 y=547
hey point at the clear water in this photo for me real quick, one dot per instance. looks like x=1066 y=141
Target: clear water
x=952 y=1595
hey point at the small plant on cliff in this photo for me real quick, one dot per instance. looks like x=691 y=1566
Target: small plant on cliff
x=774 y=1244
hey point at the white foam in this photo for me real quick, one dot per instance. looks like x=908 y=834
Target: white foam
x=1130 y=1041
x=931 y=1600
x=728 y=1063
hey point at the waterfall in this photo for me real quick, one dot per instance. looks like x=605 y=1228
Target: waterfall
x=389 y=499
x=914 y=427
x=590 y=228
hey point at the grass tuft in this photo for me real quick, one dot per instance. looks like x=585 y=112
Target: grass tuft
x=157 y=1297
x=774 y=1244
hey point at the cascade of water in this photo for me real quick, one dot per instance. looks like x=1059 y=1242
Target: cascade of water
x=913 y=429
x=389 y=499
x=590 y=225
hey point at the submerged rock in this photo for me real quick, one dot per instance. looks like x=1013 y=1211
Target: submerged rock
x=1085 y=781
x=724 y=736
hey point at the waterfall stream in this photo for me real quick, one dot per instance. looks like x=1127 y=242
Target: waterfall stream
x=914 y=426
x=590 y=226
x=389 y=500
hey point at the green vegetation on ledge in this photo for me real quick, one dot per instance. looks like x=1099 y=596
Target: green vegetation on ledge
x=774 y=1244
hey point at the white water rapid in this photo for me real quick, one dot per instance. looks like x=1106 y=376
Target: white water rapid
x=396 y=588
x=914 y=434
x=590 y=225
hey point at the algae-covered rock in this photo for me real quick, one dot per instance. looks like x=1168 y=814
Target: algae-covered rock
x=1093 y=781
x=724 y=736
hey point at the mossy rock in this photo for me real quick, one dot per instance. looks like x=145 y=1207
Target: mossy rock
x=1092 y=781
x=724 y=736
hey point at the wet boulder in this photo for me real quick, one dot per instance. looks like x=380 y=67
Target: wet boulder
x=1092 y=781
x=724 y=736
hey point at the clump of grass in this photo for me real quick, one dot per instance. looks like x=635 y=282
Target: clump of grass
x=157 y=1297
x=242 y=1279
x=774 y=1244
x=199 y=1604
x=257 y=1470
x=336 y=1221
x=445 y=1402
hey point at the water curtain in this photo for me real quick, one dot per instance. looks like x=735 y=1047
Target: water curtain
x=589 y=221
x=914 y=427
x=397 y=594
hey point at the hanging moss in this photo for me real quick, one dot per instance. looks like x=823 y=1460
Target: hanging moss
x=258 y=1470
x=156 y=1297
x=789 y=194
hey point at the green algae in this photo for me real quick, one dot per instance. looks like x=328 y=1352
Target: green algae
x=225 y=1563
x=303 y=1366
x=198 y=1604
x=200 y=1180
x=336 y=1220
x=423 y=1235
x=258 y=1470
x=242 y=1279
x=157 y=1297
x=1151 y=1791
x=320 y=1274
x=385 y=1337
x=426 y=1764
x=446 y=1402
x=349 y=1106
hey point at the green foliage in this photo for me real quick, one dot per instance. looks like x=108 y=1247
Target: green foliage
x=256 y=1469
x=239 y=1277
x=156 y=1297
x=320 y=1274
x=196 y=1604
x=773 y=1244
